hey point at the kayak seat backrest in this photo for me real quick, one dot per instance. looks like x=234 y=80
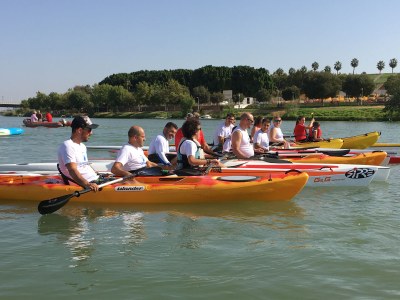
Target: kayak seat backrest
x=64 y=177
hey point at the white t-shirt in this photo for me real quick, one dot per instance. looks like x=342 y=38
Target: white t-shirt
x=160 y=146
x=278 y=134
x=70 y=152
x=188 y=148
x=245 y=145
x=223 y=131
x=261 y=138
x=132 y=158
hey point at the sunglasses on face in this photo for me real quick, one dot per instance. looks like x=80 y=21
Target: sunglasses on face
x=250 y=120
x=278 y=121
x=88 y=129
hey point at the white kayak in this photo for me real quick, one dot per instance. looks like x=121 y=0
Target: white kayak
x=328 y=175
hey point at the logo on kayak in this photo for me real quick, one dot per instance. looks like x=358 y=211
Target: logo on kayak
x=124 y=188
x=359 y=173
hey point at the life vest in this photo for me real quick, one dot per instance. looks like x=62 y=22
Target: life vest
x=319 y=133
x=182 y=159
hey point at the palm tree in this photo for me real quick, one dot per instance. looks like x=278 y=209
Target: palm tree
x=337 y=66
x=292 y=71
x=354 y=64
x=380 y=65
x=303 y=69
x=315 y=66
x=393 y=63
x=327 y=69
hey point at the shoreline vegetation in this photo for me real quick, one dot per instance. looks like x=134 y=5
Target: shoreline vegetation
x=288 y=112
x=355 y=113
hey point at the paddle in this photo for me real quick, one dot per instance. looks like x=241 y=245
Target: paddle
x=52 y=205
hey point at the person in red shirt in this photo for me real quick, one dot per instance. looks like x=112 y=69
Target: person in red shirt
x=49 y=117
x=201 y=139
x=300 y=130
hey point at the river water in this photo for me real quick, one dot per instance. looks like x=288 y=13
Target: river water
x=325 y=243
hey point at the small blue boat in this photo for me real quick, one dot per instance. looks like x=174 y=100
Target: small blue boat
x=10 y=131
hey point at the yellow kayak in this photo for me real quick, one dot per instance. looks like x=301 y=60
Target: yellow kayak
x=381 y=145
x=332 y=144
x=367 y=158
x=160 y=190
x=361 y=141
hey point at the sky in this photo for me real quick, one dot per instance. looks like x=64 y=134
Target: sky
x=54 y=45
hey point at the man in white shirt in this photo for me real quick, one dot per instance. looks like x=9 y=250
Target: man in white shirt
x=241 y=145
x=131 y=156
x=159 y=146
x=223 y=131
x=72 y=155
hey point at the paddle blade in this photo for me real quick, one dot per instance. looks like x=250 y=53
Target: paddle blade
x=52 y=205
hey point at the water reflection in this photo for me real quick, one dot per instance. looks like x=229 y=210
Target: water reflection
x=71 y=231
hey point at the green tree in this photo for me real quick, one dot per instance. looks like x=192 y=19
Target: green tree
x=202 y=93
x=217 y=97
x=263 y=95
x=292 y=71
x=321 y=85
x=143 y=94
x=392 y=84
x=291 y=93
x=380 y=65
x=356 y=85
x=354 y=64
x=337 y=66
x=79 y=101
x=393 y=63
x=315 y=66
x=327 y=69
x=392 y=106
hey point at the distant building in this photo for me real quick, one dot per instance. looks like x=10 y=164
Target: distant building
x=245 y=102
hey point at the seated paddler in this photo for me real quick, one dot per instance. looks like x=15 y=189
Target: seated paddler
x=130 y=157
x=189 y=151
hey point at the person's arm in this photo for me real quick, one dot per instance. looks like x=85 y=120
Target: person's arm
x=118 y=170
x=236 y=140
x=78 y=178
x=273 y=138
x=159 y=147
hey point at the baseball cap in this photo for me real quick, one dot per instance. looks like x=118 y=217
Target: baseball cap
x=83 y=122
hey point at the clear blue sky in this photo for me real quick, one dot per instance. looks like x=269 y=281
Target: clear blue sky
x=53 y=45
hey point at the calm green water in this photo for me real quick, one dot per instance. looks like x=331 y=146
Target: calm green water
x=331 y=244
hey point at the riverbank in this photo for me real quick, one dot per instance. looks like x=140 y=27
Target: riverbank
x=348 y=113
x=288 y=112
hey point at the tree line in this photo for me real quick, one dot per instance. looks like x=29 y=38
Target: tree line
x=181 y=89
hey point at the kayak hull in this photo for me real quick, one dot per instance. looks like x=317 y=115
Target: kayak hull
x=11 y=131
x=361 y=141
x=368 y=158
x=159 y=190
x=332 y=143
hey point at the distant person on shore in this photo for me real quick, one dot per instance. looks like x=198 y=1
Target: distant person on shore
x=300 y=130
x=276 y=135
x=223 y=131
x=131 y=156
x=315 y=134
x=72 y=155
x=34 y=117
x=261 y=140
x=49 y=117
x=241 y=145
x=159 y=146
